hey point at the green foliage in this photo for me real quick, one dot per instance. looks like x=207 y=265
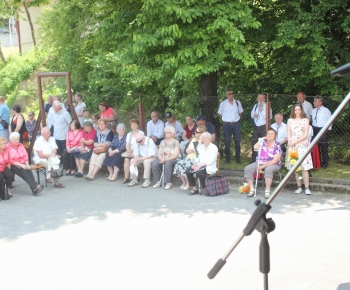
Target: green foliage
x=17 y=69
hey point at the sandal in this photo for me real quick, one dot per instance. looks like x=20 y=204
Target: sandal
x=48 y=180
x=126 y=180
x=267 y=194
x=181 y=187
x=67 y=172
x=251 y=193
x=185 y=188
x=72 y=173
x=157 y=185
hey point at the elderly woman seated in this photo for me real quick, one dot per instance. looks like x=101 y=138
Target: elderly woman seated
x=168 y=153
x=182 y=165
x=20 y=164
x=85 y=150
x=102 y=140
x=6 y=175
x=204 y=164
x=114 y=159
x=268 y=160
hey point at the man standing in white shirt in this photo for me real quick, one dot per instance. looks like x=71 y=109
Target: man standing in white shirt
x=79 y=108
x=258 y=115
x=62 y=120
x=155 y=128
x=50 y=122
x=281 y=131
x=230 y=111
x=320 y=116
x=307 y=107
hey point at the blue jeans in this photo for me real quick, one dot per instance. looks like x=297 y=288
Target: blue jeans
x=229 y=130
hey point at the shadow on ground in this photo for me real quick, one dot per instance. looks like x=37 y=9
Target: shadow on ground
x=81 y=200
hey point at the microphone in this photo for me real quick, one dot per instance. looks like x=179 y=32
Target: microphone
x=341 y=71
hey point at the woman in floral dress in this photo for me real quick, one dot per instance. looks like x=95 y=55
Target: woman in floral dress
x=298 y=131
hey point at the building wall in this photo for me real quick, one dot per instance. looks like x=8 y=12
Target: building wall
x=25 y=38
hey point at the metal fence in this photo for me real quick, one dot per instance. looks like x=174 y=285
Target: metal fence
x=338 y=137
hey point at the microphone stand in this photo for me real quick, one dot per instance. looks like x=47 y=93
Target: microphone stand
x=258 y=220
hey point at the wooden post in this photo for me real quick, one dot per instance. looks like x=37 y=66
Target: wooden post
x=142 y=115
x=268 y=116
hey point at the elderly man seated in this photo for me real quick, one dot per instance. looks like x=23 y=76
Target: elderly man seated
x=45 y=149
x=145 y=152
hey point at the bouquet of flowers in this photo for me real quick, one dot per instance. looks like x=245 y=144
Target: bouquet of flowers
x=293 y=157
x=245 y=188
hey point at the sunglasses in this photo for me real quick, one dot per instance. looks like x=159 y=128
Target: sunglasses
x=140 y=141
x=198 y=132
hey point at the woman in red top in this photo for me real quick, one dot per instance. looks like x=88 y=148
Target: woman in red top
x=109 y=115
x=19 y=163
x=74 y=136
x=86 y=147
x=5 y=173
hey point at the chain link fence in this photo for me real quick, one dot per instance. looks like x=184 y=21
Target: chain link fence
x=141 y=106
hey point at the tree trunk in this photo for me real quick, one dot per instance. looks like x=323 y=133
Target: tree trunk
x=2 y=55
x=208 y=91
x=30 y=22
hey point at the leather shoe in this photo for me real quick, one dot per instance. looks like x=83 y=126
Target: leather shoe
x=193 y=192
x=38 y=190
x=59 y=185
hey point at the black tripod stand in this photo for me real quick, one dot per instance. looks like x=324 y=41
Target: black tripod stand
x=264 y=225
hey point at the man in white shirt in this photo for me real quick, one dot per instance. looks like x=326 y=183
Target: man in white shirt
x=50 y=122
x=307 y=107
x=176 y=124
x=320 y=116
x=155 y=128
x=45 y=148
x=144 y=152
x=281 y=131
x=258 y=115
x=62 y=120
x=230 y=111
x=79 y=108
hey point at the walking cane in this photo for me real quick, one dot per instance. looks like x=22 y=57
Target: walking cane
x=261 y=141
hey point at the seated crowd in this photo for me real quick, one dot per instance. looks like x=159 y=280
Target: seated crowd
x=164 y=151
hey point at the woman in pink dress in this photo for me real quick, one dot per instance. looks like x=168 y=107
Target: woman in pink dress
x=74 y=136
x=297 y=136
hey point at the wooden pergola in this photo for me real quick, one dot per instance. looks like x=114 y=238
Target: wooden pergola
x=41 y=117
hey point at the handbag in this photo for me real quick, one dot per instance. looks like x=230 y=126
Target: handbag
x=260 y=175
x=216 y=185
x=55 y=173
x=4 y=124
x=100 y=150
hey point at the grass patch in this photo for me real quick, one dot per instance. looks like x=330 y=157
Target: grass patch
x=334 y=170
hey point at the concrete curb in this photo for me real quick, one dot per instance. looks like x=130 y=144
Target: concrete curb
x=236 y=178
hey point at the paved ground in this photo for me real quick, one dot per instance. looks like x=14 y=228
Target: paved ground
x=103 y=235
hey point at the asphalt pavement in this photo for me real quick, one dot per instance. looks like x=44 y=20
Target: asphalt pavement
x=105 y=235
